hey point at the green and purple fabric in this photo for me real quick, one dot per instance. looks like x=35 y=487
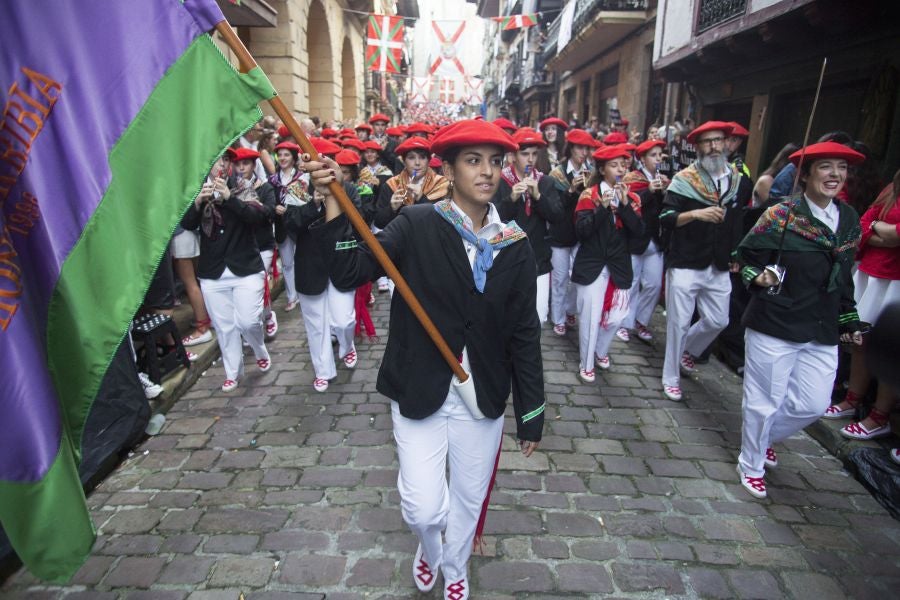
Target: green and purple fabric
x=113 y=114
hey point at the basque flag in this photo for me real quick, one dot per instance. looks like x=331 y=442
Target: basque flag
x=384 y=43
x=516 y=21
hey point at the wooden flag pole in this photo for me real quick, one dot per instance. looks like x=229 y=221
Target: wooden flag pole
x=247 y=63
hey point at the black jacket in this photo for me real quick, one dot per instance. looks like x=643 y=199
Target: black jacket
x=234 y=245
x=651 y=206
x=604 y=245
x=310 y=269
x=562 y=233
x=499 y=327
x=265 y=235
x=805 y=310
x=543 y=212
x=699 y=244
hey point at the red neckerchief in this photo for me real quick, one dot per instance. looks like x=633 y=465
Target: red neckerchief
x=510 y=176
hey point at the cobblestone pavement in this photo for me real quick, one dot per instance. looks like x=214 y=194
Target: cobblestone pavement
x=277 y=492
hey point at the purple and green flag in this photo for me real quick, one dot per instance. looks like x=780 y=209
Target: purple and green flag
x=113 y=113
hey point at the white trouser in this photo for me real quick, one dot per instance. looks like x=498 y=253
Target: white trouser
x=429 y=506
x=590 y=309
x=266 y=256
x=332 y=311
x=286 y=251
x=648 y=272
x=709 y=289
x=787 y=386
x=543 y=297
x=235 y=305
x=562 y=292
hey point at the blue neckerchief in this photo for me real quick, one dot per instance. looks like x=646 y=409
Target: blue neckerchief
x=484 y=255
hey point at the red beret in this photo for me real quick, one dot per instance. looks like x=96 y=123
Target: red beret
x=379 y=117
x=394 y=131
x=504 y=123
x=479 y=118
x=616 y=137
x=324 y=146
x=327 y=132
x=418 y=128
x=230 y=152
x=354 y=143
x=738 y=130
x=413 y=143
x=347 y=157
x=364 y=126
x=709 y=126
x=287 y=146
x=283 y=131
x=553 y=121
x=580 y=137
x=644 y=148
x=624 y=122
x=472 y=133
x=610 y=152
x=827 y=150
x=435 y=162
x=527 y=136
x=245 y=154
x=347 y=131
x=372 y=145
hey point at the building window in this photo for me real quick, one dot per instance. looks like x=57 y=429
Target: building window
x=716 y=12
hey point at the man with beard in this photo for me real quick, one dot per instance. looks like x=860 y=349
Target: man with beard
x=702 y=218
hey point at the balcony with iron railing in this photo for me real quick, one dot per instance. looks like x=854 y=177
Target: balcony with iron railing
x=512 y=78
x=596 y=26
x=715 y=12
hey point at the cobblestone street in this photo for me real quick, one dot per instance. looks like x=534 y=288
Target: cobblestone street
x=277 y=492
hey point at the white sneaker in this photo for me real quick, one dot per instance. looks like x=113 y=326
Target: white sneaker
x=151 y=390
x=423 y=574
x=687 y=363
x=320 y=385
x=204 y=337
x=271 y=325
x=602 y=362
x=623 y=334
x=457 y=590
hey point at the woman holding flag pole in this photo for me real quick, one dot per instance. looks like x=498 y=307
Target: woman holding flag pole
x=476 y=277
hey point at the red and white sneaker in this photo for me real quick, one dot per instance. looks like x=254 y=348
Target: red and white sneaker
x=833 y=412
x=623 y=334
x=271 y=325
x=191 y=356
x=755 y=485
x=264 y=364
x=644 y=334
x=570 y=320
x=858 y=431
x=423 y=575
x=602 y=362
x=291 y=305
x=672 y=392
x=586 y=376
x=559 y=330
x=687 y=363
x=350 y=359
x=229 y=385
x=371 y=301
x=457 y=590
x=319 y=384
x=771 y=458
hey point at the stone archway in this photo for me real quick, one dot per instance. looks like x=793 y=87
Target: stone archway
x=321 y=75
x=350 y=98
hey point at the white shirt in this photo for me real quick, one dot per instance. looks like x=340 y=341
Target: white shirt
x=722 y=182
x=493 y=227
x=828 y=215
